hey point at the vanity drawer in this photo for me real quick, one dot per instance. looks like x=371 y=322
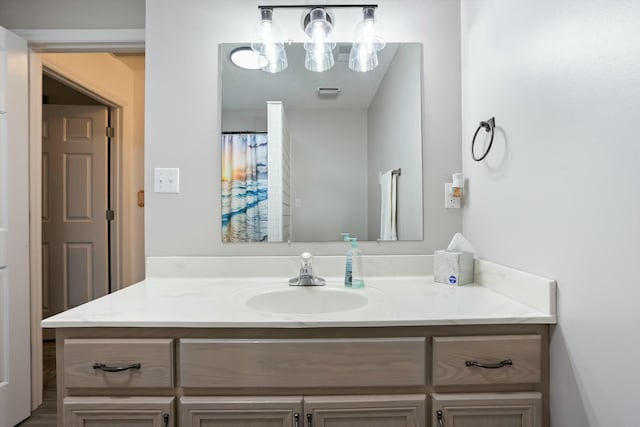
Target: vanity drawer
x=281 y=363
x=149 y=363
x=505 y=359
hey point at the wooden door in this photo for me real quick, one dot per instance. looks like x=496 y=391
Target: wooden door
x=280 y=411
x=118 y=412
x=487 y=410
x=74 y=205
x=15 y=375
x=365 y=411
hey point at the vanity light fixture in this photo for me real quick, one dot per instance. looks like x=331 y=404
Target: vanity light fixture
x=268 y=43
x=318 y=25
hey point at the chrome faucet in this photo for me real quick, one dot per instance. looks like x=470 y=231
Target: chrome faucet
x=306 y=276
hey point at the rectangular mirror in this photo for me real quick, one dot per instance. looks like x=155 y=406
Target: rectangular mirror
x=308 y=155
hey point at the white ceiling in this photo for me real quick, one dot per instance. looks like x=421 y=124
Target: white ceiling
x=296 y=86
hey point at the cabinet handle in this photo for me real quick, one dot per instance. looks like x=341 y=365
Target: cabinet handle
x=440 y=420
x=106 y=368
x=296 y=419
x=165 y=420
x=489 y=365
x=309 y=420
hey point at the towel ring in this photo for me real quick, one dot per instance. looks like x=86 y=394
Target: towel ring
x=488 y=126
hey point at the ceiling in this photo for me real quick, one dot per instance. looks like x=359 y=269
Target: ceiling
x=297 y=87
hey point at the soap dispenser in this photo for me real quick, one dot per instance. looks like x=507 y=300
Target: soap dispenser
x=353 y=269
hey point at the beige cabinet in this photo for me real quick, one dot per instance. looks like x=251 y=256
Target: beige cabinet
x=476 y=376
x=280 y=411
x=118 y=412
x=365 y=411
x=487 y=410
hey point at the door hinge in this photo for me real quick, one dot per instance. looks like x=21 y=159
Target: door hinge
x=111 y=132
x=110 y=215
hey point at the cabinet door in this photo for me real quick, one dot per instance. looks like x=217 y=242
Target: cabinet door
x=487 y=410
x=278 y=411
x=365 y=411
x=118 y=412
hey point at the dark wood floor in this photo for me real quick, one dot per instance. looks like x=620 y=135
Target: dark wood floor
x=45 y=415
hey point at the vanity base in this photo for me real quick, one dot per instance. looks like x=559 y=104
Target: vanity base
x=378 y=376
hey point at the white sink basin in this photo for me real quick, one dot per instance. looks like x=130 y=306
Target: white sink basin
x=307 y=300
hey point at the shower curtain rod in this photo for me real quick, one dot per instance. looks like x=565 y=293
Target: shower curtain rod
x=236 y=132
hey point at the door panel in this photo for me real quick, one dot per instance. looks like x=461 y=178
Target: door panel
x=365 y=411
x=77 y=188
x=487 y=410
x=15 y=379
x=240 y=411
x=118 y=412
x=74 y=187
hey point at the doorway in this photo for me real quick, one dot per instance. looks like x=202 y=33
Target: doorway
x=77 y=207
x=92 y=106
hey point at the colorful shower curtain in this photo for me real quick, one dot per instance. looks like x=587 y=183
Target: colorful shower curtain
x=244 y=187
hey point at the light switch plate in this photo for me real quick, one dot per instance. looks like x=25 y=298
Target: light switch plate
x=166 y=180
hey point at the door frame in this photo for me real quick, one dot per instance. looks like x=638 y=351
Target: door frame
x=106 y=40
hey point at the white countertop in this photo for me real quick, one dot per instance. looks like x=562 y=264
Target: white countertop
x=221 y=303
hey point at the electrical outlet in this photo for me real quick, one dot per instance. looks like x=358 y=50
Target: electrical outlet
x=450 y=202
x=166 y=180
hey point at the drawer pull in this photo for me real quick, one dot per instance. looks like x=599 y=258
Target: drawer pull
x=106 y=368
x=309 y=420
x=296 y=417
x=165 y=420
x=440 y=420
x=489 y=365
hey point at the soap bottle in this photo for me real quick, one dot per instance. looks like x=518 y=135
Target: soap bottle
x=353 y=268
x=357 y=280
x=348 y=266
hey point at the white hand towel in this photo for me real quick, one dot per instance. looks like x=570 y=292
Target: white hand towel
x=388 y=202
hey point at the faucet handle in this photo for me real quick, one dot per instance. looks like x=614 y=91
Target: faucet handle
x=305 y=258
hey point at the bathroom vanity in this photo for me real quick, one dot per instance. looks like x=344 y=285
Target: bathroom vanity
x=203 y=352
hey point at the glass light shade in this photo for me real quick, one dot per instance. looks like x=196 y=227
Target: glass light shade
x=361 y=60
x=319 y=56
x=319 y=61
x=268 y=43
x=367 y=42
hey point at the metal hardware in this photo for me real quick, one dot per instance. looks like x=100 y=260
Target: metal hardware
x=489 y=365
x=312 y=6
x=309 y=420
x=488 y=126
x=111 y=215
x=106 y=368
x=440 y=420
x=306 y=276
x=111 y=132
x=296 y=419
x=165 y=420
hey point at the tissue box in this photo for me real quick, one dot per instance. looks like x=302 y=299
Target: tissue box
x=453 y=268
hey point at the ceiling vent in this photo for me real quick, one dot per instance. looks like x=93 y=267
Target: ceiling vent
x=328 y=92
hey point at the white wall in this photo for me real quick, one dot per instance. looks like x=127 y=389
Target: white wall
x=328 y=174
x=111 y=78
x=71 y=14
x=558 y=195
x=183 y=116
x=395 y=141
x=244 y=120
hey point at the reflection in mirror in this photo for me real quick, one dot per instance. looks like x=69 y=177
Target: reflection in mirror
x=307 y=155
